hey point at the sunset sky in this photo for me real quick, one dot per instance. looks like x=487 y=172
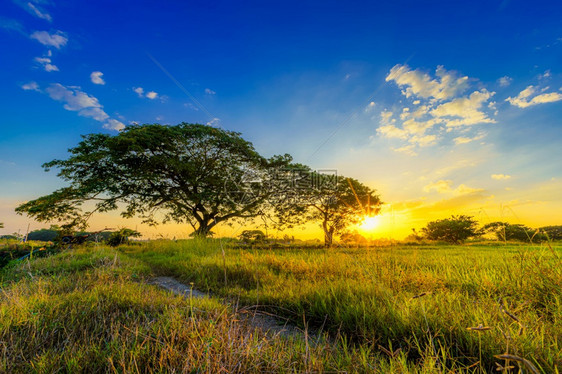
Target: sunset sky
x=444 y=107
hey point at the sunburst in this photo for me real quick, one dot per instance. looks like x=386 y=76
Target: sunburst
x=369 y=223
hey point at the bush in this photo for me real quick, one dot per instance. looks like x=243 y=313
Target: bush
x=252 y=236
x=122 y=237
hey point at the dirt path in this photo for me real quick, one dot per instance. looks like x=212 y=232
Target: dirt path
x=259 y=320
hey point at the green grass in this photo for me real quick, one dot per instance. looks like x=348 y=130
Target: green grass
x=90 y=310
x=369 y=295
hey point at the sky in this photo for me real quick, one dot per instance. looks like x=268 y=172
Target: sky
x=444 y=107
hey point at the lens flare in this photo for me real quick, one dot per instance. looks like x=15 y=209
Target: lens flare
x=369 y=223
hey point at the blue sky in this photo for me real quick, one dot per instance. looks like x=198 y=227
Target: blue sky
x=443 y=106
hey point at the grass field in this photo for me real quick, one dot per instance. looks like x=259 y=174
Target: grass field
x=398 y=309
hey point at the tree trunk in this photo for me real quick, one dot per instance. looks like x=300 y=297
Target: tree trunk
x=328 y=234
x=203 y=230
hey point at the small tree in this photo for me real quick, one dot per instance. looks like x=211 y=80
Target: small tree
x=252 y=236
x=336 y=202
x=553 y=232
x=453 y=230
x=505 y=231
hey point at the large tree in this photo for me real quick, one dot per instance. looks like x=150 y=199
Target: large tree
x=190 y=173
x=334 y=201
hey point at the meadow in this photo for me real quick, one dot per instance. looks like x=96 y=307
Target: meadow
x=409 y=309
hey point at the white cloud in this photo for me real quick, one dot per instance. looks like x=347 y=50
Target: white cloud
x=151 y=95
x=31 y=86
x=38 y=12
x=547 y=74
x=386 y=117
x=505 y=81
x=96 y=113
x=391 y=131
x=35 y=8
x=369 y=108
x=437 y=105
x=439 y=186
x=191 y=106
x=113 y=124
x=86 y=105
x=388 y=129
x=446 y=186
x=418 y=128
x=419 y=84
x=214 y=122
x=465 y=139
x=56 y=40
x=46 y=63
x=465 y=110
x=407 y=149
x=208 y=91
x=500 y=176
x=73 y=98
x=464 y=190
x=96 y=77
x=528 y=97
x=423 y=141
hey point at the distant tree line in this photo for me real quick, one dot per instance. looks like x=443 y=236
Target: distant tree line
x=56 y=234
x=457 y=229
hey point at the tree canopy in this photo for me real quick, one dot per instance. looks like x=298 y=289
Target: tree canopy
x=552 y=232
x=45 y=235
x=518 y=232
x=455 y=229
x=189 y=173
x=334 y=201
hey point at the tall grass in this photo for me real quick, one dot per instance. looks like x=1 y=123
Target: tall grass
x=459 y=305
x=90 y=310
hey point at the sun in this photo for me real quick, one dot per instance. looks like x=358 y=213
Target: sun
x=369 y=223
